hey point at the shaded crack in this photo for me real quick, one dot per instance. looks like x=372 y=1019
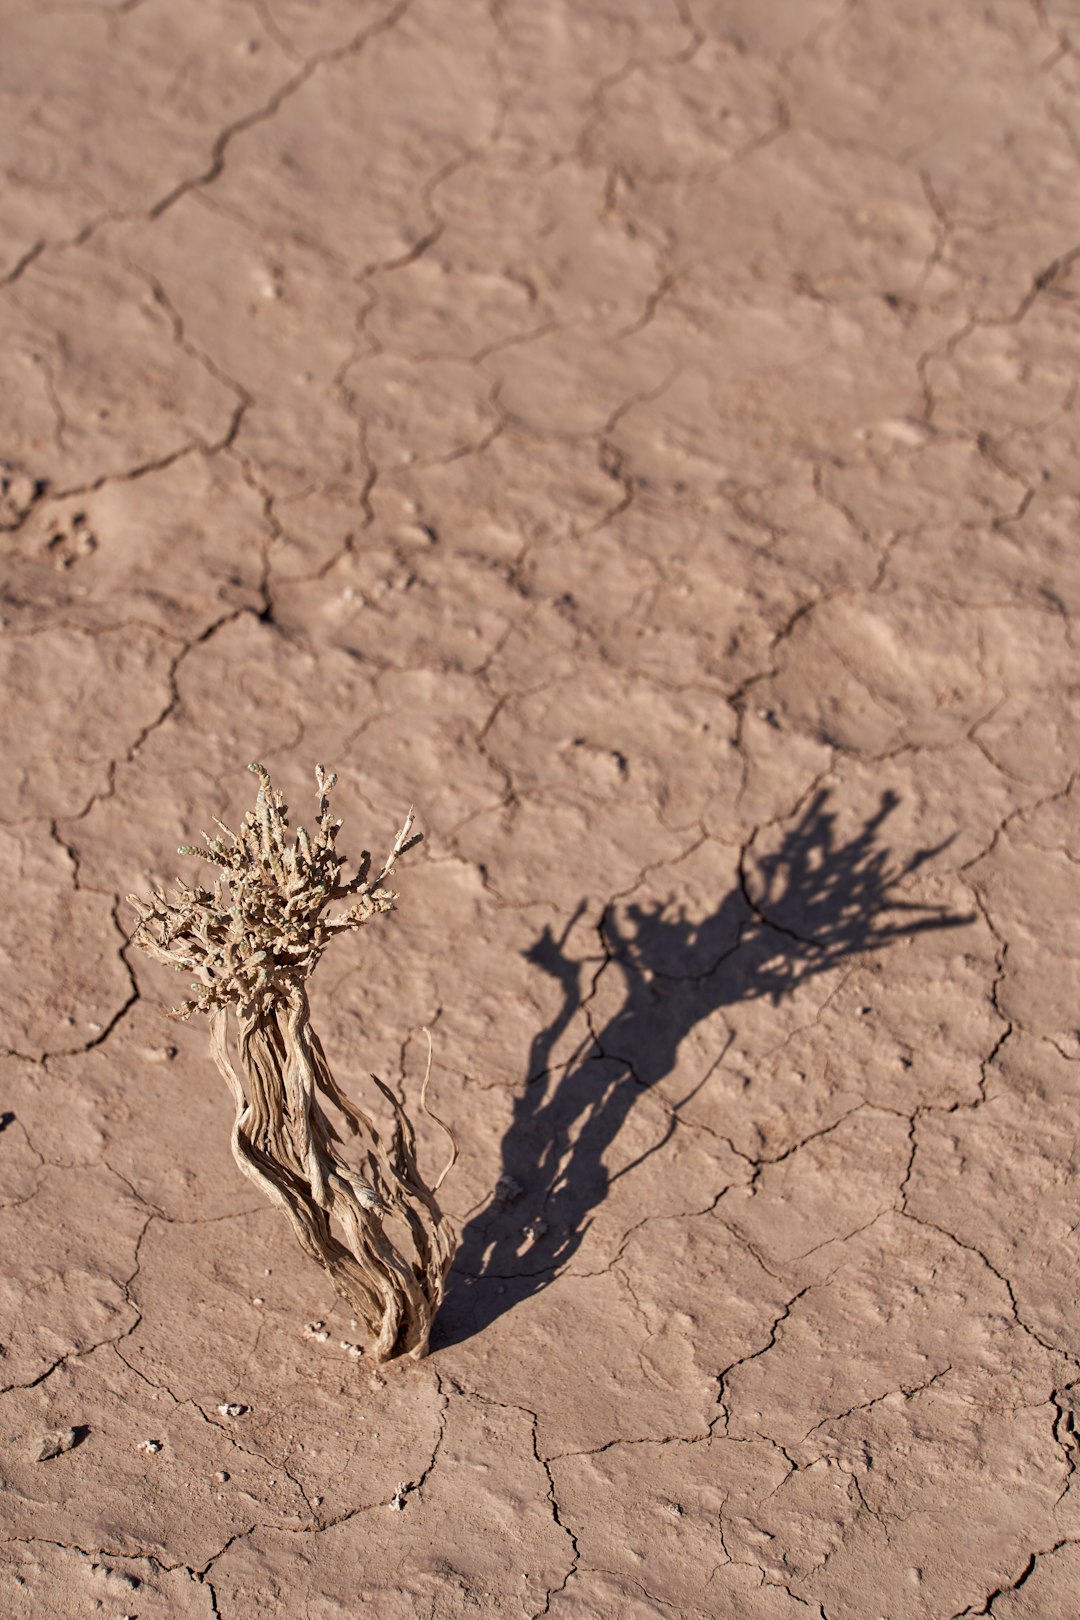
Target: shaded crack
x=1065 y=1436
x=1021 y=1580
x=622 y=1576
x=78 y=1353
x=169 y=707
x=765 y=1162
x=24 y=262
x=1042 y=282
x=724 y=1414
x=636 y=1440
x=415 y=1486
x=594 y=109
x=260 y=115
x=902 y=1194
x=985 y=1063
x=1021 y=813
x=193 y=447
x=995 y=988
x=275 y=1465
x=95 y=1556
x=807 y=1603
x=268 y=1462
x=453 y=1387
x=972 y=1248
x=221 y=143
x=101 y=796
x=182 y=341
x=865 y=1406
x=556 y=1514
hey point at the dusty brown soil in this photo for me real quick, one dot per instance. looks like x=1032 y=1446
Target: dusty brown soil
x=641 y=435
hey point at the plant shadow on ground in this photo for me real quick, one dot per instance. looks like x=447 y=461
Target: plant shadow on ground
x=817 y=903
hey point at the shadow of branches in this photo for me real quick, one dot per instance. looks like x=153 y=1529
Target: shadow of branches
x=814 y=903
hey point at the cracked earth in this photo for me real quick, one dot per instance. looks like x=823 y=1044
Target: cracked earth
x=642 y=436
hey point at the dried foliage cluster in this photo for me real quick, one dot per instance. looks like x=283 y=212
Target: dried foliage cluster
x=252 y=941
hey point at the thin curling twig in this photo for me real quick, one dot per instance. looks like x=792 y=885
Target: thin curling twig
x=252 y=941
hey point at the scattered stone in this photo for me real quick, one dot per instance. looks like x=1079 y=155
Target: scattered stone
x=54 y=1445
x=233 y=1409
x=152 y=1446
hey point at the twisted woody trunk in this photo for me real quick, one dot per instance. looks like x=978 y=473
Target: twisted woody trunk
x=252 y=941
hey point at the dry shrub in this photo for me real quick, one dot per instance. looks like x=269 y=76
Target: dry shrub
x=252 y=941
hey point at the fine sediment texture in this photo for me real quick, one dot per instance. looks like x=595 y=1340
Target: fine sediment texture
x=644 y=437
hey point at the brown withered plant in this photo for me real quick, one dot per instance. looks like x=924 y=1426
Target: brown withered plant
x=251 y=942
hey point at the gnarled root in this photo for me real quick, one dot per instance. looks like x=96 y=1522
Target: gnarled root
x=284 y=1142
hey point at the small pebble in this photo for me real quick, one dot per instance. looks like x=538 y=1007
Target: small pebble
x=221 y=1476
x=54 y=1445
x=232 y=1409
x=151 y=1446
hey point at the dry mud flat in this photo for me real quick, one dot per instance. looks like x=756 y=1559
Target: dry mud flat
x=643 y=436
